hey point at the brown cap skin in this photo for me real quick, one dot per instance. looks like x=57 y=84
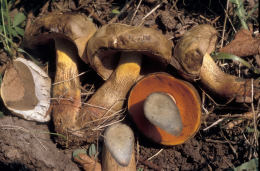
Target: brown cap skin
x=187 y=101
x=113 y=38
x=76 y=27
x=190 y=49
x=192 y=60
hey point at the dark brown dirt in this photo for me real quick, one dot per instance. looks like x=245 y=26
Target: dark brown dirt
x=217 y=148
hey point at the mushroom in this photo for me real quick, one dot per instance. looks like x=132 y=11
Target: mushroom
x=70 y=33
x=192 y=60
x=165 y=109
x=118 y=150
x=25 y=90
x=135 y=45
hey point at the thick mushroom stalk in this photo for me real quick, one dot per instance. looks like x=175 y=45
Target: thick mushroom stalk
x=118 y=150
x=165 y=109
x=70 y=33
x=192 y=60
x=135 y=45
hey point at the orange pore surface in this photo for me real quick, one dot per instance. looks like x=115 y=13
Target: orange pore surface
x=187 y=100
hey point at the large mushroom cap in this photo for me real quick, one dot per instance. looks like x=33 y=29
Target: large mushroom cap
x=191 y=48
x=186 y=99
x=76 y=27
x=113 y=38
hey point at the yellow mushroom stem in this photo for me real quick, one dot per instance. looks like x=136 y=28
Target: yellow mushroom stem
x=66 y=87
x=224 y=85
x=110 y=97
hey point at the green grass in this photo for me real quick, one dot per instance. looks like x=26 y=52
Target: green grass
x=10 y=28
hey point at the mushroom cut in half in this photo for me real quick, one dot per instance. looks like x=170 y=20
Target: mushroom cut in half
x=120 y=54
x=68 y=33
x=118 y=151
x=25 y=90
x=192 y=59
x=165 y=109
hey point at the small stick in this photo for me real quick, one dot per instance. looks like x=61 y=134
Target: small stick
x=90 y=11
x=224 y=27
x=122 y=10
x=156 y=154
x=69 y=79
x=215 y=123
x=149 y=13
x=135 y=12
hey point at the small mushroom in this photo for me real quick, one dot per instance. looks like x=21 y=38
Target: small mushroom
x=165 y=109
x=116 y=52
x=25 y=90
x=192 y=60
x=70 y=33
x=118 y=151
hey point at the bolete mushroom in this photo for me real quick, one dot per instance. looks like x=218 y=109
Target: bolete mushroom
x=25 y=90
x=133 y=45
x=70 y=33
x=118 y=150
x=165 y=109
x=192 y=60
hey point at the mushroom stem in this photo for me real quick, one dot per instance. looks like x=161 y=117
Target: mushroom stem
x=110 y=164
x=112 y=93
x=118 y=150
x=66 y=91
x=224 y=85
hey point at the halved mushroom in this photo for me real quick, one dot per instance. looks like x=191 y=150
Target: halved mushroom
x=192 y=60
x=25 y=90
x=70 y=33
x=118 y=150
x=116 y=52
x=165 y=109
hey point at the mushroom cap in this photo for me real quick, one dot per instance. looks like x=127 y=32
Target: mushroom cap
x=102 y=48
x=76 y=27
x=187 y=101
x=190 y=49
x=25 y=90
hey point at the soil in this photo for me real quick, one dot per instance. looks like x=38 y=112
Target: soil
x=27 y=145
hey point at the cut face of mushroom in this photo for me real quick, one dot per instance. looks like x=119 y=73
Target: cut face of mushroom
x=118 y=152
x=25 y=90
x=70 y=33
x=116 y=52
x=165 y=109
x=192 y=60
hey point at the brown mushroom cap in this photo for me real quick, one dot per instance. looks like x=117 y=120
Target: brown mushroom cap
x=191 y=48
x=187 y=101
x=77 y=27
x=113 y=38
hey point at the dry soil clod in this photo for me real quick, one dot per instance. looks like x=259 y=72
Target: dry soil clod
x=192 y=60
x=244 y=44
x=173 y=127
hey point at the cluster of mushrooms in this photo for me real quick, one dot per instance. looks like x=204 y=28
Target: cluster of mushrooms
x=131 y=60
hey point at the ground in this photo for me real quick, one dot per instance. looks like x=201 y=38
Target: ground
x=217 y=147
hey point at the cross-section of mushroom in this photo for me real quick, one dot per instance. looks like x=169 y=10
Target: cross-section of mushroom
x=116 y=52
x=192 y=60
x=70 y=33
x=25 y=90
x=165 y=109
